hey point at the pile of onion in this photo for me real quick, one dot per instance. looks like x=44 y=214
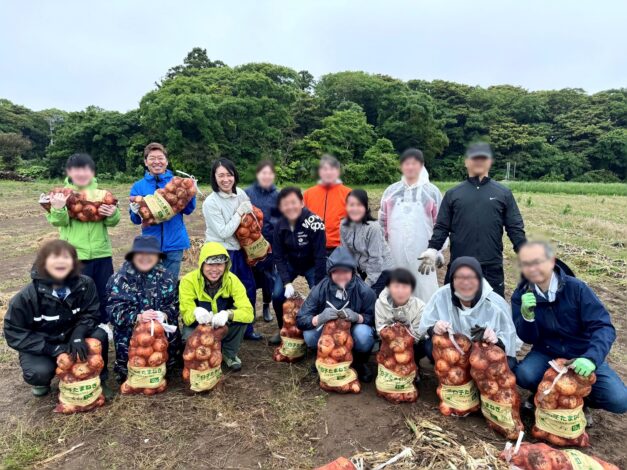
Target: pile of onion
x=203 y=350
x=567 y=394
x=543 y=457
x=496 y=382
x=70 y=371
x=335 y=346
x=289 y=330
x=249 y=232
x=79 y=206
x=397 y=355
x=177 y=193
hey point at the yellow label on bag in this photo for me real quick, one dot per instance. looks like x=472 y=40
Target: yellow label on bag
x=498 y=413
x=201 y=381
x=581 y=461
x=292 y=347
x=94 y=195
x=460 y=397
x=568 y=424
x=336 y=375
x=159 y=207
x=81 y=393
x=146 y=377
x=390 y=382
x=257 y=249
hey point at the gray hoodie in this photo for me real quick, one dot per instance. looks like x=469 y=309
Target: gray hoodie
x=368 y=246
x=385 y=313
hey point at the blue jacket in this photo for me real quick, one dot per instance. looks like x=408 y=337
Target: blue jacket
x=172 y=234
x=357 y=295
x=266 y=200
x=575 y=325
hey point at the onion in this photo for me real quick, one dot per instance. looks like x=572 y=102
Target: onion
x=402 y=357
x=156 y=358
x=93 y=345
x=206 y=339
x=456 y=376
x=81 y=370
x=160 y=344
x=325 y=345
x=189 y=355
x=64 y=361
x=144 y=351
x=95 y=362
x=202 y=353
x=338 y=353
x=340 y=337
x=185 y=374
x=450 y=355
x=137 y=361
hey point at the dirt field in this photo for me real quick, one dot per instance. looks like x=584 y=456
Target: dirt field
x=273 y=415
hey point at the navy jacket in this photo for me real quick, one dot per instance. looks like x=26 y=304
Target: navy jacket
x=172 y=234
x=300 y=249
x=358 y=295
x=266 y=200
x=575 y=325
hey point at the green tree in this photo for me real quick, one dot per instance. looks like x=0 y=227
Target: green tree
x=196 y=59
x=378 y=165
x=12 y=146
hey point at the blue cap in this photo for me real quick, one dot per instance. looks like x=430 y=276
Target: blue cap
x=144 y=244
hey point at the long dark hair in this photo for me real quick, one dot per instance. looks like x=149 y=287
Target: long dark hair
x=230 y=167
x=56 y=247
x=362 y=196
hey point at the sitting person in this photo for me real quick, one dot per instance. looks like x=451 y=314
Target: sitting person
x=560 y=316
x=213 y=294
x=53 y=315
x=348 y=294
x=397 y=304
x=468 y=305
x=142 y=290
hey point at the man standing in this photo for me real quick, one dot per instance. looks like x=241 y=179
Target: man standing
x=327 y=199
x=172 y=234
x=473 y=215
x=560 y=316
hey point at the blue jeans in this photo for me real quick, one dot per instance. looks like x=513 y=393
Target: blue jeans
x=363 y=337
x=279 y=289
x=608 y=393
x=172 y=262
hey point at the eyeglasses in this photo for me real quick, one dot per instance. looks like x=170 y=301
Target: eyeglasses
x=465 y=278
x=156 y=159
x=532 y=263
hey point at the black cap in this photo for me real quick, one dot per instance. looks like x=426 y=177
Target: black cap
x=144 y=244
x=479 y=149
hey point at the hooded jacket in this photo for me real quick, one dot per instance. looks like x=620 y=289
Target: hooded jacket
x=266 y=200
x=575 y=324
x=221 y=218
x=172 y=234
x=329 y=203
x=367 y=244
x=231 y=295
x=36 y=318
x=357 y=295
x=387 y=314
x=91 y=239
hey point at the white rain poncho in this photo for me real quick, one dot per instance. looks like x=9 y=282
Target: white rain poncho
x=408 y=215
x=490 y=311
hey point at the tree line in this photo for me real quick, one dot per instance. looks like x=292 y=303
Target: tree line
x=204 y=109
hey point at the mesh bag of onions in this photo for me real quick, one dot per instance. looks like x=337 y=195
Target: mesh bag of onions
x=541 y=456
x=335 y=357
x=500 y=400
x=147 y=356
x=81 y=205
x=79 y=381
x=457 y=391
x=397 y=369
x=559 y=406
x=255 y=246
x=293 y=346
x=166 y=202
x=202 y=358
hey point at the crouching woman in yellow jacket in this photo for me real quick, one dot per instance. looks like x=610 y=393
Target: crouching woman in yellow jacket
x=213 y=294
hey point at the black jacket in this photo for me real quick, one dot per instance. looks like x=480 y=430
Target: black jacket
x=37 y=319
x=302 y=248
x=473 y=215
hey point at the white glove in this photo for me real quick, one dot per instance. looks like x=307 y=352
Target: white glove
x=134 y=206
x=244 y=208
x=203 y=316
x=161 y=318
x=428 y=258
x=489 y=336
x=439 y=260
x=441 y=327
x=107 y=329
x=289 y=291
x=220 y=318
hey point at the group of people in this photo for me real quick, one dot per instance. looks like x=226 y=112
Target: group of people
x=371 y=272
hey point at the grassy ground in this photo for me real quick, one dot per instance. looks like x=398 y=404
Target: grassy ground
x=273 y=415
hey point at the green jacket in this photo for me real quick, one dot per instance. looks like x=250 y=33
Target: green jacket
x=231 y=296
x=91 y=239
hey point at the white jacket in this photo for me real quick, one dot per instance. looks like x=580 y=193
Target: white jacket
x=221 y=218
x=386 y=314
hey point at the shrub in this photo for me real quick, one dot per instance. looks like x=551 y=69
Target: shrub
x=598 y=176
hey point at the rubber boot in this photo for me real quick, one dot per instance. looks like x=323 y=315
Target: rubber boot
x=588 y=415
x=40 y=390
x=251 y=334
x=360 y=364
x=234 y=364
x=267 y=314
x=275 y=339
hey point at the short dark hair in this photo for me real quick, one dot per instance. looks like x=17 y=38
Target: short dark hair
x=362 y=196
x=55 y=247
x=230 y=167
x=286 y=192
x=80 y=160
x=412 y=153
x=154 y=146
x=402 y=276
x=263 y=164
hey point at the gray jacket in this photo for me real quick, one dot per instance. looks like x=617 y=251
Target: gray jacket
x=385 y=313
x=369 y=248
x=221 y=220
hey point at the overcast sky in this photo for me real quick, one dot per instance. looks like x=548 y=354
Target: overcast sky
x=71 y=54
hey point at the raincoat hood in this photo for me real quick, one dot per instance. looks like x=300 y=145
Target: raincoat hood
x=341 y=258
x=472 y=263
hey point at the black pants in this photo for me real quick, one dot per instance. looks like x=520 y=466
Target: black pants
x=38 y=370
x=264 y=278
x=493 y=273
x=100 y=270
x=378 y=286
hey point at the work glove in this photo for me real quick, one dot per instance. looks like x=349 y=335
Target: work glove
x=244 y=208
x=583 y=366
x=441 y=327
x=327 y=314
x=220 y=318
x=351 y=315
x=528 y=305
x=428 y=261
x=202 y=315
x=439 y=260
x=489 y=336
x=77 y=345
x=134 y=206
x=289 y=291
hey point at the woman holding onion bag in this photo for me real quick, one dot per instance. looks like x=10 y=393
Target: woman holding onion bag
x=223 y=211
